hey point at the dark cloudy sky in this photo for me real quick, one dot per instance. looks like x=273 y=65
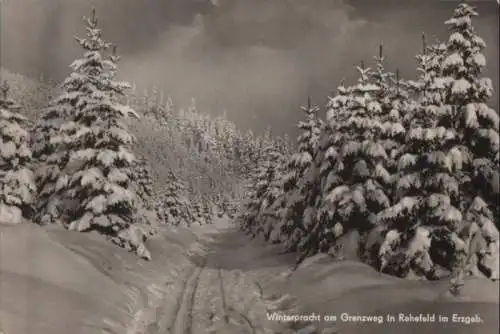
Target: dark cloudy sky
x=258 y=59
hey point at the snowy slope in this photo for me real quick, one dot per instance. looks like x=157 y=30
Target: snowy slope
x=163 y=152
x=31 y=94
x=62 y=282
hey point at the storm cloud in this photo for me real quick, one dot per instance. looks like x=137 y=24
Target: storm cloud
x=257 y=59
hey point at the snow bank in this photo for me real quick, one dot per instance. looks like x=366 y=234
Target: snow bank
x=58 y=282
x=324 y=286
x=327 y=287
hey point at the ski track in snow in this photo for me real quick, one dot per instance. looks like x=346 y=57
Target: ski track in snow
x=183 y=320
x=222 y=295
x=214 y=296
x=230 y=312
x=199 y=290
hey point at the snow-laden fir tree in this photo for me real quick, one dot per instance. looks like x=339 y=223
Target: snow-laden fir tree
x=383 y=79
x=401 y=107
x=284 y=145
x=307 y=143
x=331 y=159
x=201 y=211
x=263 y=188
x=49 y=124
x=220 y=205
x=17 y=181
x=319 y=218
x=146 y=216
x=197 y=210
x=173 y=206
x=257 y=153
x=131 y=98
x=300 y=219
x=249 y=170
x=207 y=210
x=466 y=109
x=146 y=103
x=429 y=87
x=248 y=153
x=425 y=193
x=93 y=188
x=273 y=200
x=48 y=147
x=142 y=174
x=226 y=205
x=295 y=195
x=357 y=186
x=48 y=152
x=154 y=107
x=437 y=212
x=168 y=112
x=333 y=138
x=225 y=138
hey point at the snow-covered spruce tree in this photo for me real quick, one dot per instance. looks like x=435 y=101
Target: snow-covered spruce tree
x=258 y=187
x=154 y=108
x=207 y=210
x=17 y=181
x=47 y=126
x=250 y=172
x=307 y=143
x=168 y=112
x=295 y=195
x=299 y=218
x=383 y=80
x=357 y=186
x=197 y=210
x=426 y=183
x=146 y=104
x=285 y=145
x=48 y=147
x=49 y=123
x=321 y=230
x=401 y=105
x=94 y=184
x=248 y=152
x=466 y=110
x=317 y=178
x=225 y=135
x=48 y=152
x=143 y=186
x=428 y=90
x=131 y=98
x=333 y=138
x=273 y=203
x=396 y=105
x=142 y=175
x=173 y=206
x=427 y=206
x=201 y=212
x=437 y=215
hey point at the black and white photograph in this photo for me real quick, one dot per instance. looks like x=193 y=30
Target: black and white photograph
x=249 y=167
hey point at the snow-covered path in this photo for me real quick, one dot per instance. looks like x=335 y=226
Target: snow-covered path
x=221 y=292
x=235 y=282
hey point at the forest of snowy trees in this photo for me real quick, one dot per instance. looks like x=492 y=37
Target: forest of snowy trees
x=402 y=174
x=92 y=154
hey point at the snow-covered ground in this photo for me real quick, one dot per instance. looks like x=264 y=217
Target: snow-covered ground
x=209 y=279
